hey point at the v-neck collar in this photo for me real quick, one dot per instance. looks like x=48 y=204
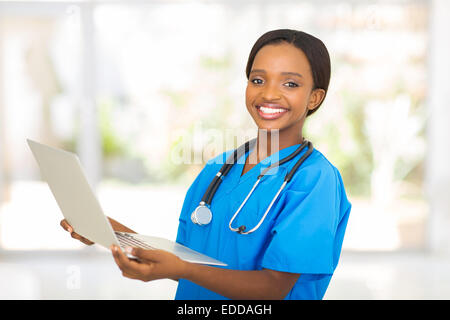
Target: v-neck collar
x=268 y=161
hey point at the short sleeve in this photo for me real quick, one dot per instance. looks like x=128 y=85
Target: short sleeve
x=191 y=198
x=304 y=234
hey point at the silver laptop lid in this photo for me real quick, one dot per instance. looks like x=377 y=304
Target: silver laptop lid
x=64 y=174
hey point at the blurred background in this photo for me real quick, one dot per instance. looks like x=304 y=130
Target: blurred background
x=145 y=92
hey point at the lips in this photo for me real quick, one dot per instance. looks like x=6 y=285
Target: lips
x=271 y=111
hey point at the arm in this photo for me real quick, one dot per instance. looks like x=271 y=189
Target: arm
x=114 y=224
x=235 y=284
x=117 y=226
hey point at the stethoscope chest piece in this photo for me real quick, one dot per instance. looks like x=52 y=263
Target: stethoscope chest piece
x=202 y=215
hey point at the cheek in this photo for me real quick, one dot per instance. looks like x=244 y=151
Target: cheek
x=249 y=97
x=299 y=101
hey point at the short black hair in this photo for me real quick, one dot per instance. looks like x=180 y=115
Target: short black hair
x=315 y=50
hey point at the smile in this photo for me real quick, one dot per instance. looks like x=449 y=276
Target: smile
x=271 y=111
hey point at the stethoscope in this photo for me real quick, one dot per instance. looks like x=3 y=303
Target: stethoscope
x=202 y=215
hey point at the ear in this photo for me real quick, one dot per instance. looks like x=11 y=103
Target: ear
x=316 y=97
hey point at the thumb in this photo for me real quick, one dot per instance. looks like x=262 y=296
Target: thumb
x=152 y=255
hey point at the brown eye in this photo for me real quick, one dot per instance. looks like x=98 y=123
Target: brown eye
x=256 y=81
x=291 y=84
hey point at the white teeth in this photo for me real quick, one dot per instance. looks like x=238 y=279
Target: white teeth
x=271 y=110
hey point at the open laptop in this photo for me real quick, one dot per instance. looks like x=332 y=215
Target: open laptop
x=65 y=176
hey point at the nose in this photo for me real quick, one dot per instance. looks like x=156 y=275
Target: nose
x=270 y=92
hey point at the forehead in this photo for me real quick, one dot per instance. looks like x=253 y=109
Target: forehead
x=281 y=57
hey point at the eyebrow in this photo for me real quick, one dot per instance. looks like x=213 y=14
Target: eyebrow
x=283 y=73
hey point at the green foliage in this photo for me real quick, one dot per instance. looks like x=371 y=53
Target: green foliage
x=111 y=144
x=216 y=63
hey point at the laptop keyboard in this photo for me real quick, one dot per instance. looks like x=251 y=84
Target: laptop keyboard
x=127 y=240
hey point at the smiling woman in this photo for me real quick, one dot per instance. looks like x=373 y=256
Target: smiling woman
x=314 y=62
x=288 y=75
x=294 y=248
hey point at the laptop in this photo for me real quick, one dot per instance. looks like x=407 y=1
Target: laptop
x=80 y=207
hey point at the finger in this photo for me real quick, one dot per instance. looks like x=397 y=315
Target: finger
x=84 y=240
x=66 y=226
x=117 y=259
x=76 y=236
x=125 y=264
x=79 y=237
x=115 y=255
x=148 y=255
x=87 y=241
x=131 y=276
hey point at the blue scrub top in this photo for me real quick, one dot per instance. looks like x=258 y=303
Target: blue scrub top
x=302 y=233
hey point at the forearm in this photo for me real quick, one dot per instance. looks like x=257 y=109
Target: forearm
x=117 y=226
x=237 y=284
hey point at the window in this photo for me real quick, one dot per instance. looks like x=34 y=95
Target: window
x=146 y=79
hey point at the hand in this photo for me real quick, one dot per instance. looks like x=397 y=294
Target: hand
x=66 y=226
x=152 y=265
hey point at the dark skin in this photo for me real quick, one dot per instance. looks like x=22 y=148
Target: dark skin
x=280 y=78
x=115 y=225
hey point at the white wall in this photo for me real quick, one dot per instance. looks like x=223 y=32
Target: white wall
x=438 y=155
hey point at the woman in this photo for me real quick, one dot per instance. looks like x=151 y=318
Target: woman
x=295 y=237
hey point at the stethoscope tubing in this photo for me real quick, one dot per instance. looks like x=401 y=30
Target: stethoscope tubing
x=287 y=178
x=230 y=161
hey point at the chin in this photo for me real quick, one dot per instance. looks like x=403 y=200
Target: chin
x=269 y=125
x=269 y=129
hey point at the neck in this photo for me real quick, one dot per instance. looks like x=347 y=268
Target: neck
x=270 y=142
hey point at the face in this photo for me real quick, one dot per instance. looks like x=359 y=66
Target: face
x=280 y=89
